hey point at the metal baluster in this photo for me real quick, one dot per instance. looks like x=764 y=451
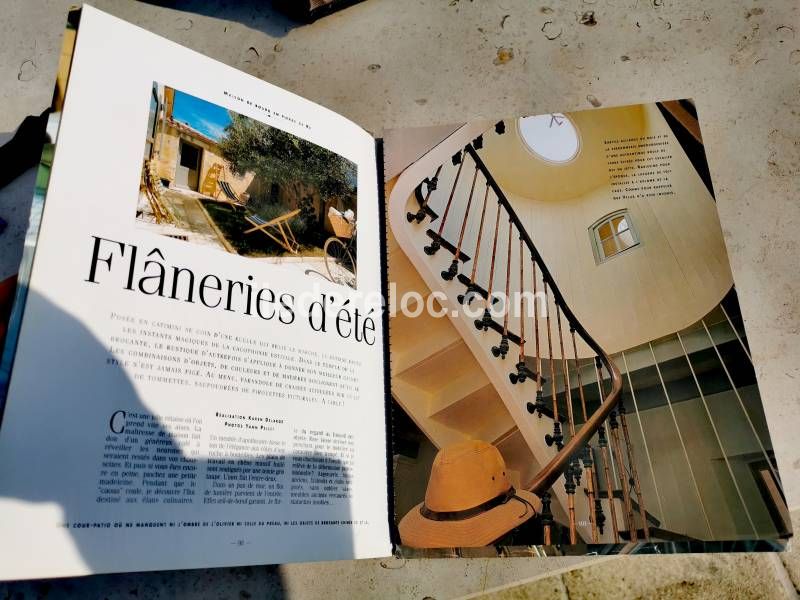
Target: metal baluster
x=602 y=442
x=588 y=462
x=634 y=471
x=436 y=244
x=432 y=183
x=523 y=372
x=565 y=375
x=599 y=516
x=573 y=472
x=502 y=348
x=539 y=405
x=569 y=488
x=466 y=297
x=453 y=270
x=557 y=438
x=547 y=518
x=522 y=312
x=483 y=323
x=624 y=480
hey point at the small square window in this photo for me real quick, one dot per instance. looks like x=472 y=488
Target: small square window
x=612 y=235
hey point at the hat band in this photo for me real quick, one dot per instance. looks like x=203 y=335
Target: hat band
x=468 y=513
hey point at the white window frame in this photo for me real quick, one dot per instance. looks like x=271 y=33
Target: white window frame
x=597 y=243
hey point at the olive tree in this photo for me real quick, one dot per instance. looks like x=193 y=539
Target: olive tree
x=280 y=157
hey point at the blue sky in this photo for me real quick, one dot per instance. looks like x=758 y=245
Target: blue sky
x=209 y=119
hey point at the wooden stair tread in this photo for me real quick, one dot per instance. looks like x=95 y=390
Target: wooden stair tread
x=482 y=413
x=459 y=389
x=434 y=373
x=409 y=351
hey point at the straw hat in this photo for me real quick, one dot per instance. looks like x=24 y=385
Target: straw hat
x=469 y=501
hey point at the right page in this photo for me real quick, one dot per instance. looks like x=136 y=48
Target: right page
x=570 y=370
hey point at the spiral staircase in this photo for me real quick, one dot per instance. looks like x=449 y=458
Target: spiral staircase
x=484 y=371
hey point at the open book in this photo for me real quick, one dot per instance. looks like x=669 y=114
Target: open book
x=199 y=369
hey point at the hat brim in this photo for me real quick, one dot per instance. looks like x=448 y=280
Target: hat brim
x=417 y=531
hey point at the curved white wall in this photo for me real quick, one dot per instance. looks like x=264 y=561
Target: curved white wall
x=678 y=273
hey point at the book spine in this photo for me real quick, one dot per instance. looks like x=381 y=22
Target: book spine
x=387 y=355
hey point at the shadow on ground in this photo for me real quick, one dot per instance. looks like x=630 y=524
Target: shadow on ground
x=104 y=550
x=256 y=14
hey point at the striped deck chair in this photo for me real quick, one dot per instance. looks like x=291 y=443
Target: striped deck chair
x=279 y=226
x=226 y=189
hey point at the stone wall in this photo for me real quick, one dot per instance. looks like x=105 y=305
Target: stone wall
x=166 y=157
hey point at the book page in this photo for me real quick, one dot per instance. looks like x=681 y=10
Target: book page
x=198 y=379
x=570 y=370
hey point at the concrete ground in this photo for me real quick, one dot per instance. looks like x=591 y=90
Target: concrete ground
x=194 y=224
x=191 y=221
x=388 y=64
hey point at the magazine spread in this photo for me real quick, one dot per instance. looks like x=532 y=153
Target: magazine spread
x=201 y=370
x=194 y=383
x=569 y=366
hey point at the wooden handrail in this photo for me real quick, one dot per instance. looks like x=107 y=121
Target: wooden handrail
x=550 y=473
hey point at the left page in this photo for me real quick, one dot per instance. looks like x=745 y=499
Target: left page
x=198 y=377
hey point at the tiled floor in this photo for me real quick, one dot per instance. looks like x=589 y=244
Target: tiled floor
x=715 y=576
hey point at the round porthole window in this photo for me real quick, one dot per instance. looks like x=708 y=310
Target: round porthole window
x=551 y=137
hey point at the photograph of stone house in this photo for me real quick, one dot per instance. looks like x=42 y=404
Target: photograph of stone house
x=214 y=177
